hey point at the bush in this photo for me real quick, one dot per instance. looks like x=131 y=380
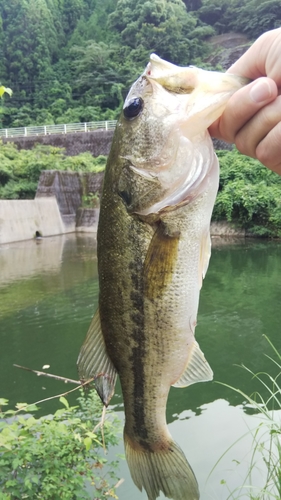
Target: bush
x=58 y=456
x=20 y=169
x=249 y=195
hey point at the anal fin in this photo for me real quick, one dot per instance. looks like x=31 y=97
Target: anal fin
x=94 y=362
x=197 y=368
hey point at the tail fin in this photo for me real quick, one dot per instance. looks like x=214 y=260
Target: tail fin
x=166 y=471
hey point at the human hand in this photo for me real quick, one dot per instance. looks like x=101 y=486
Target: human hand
x=252 y=118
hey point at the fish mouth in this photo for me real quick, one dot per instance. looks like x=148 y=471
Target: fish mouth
x=175 y=79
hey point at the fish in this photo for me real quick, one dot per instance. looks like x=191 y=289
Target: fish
x=154 y=246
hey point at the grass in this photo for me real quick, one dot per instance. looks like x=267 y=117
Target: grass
x=265 y=455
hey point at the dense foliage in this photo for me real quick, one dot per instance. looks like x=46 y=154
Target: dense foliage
x=56 y=456
x=73 y=60
x=249 y=195
x=20 y=169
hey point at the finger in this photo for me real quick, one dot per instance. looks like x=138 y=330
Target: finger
x=262 y=127
x=242 y=106
x=261 y=59
x=268 y=151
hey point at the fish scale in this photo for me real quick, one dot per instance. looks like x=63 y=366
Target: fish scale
x=160 y=185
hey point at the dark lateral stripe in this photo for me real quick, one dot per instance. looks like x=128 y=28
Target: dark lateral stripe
x=138 y=352
x=160 y=262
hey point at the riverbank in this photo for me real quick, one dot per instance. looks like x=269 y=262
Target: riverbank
x=23 y=220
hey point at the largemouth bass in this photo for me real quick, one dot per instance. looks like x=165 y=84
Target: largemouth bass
x=160 y=185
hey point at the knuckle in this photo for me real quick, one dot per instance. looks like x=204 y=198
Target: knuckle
x=262 y=154
x=268 y=151
x=243 y=145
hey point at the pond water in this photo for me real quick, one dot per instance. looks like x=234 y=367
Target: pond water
x=48 y=294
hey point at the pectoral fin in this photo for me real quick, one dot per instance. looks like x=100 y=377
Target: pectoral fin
x=197 y=368
x=205 y=254
x=160 y=261
x=94 y=362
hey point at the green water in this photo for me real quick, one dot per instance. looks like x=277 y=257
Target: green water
x=48 y=294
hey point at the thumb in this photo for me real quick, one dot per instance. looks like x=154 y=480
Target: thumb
x=242 y=106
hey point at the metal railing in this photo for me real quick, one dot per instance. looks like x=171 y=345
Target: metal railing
x=57 y=129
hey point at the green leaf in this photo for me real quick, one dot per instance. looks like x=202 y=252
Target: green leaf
x=3 y=402
x=22 y=406
x=87 y=443
x=64 y=401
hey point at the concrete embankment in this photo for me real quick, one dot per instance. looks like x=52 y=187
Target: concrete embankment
x=57 y=208
x=26 y=219
x=226 y=229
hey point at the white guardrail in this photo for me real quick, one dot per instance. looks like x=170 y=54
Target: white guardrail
x=57 y=129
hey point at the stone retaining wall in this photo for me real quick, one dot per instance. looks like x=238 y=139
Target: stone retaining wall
x=97 y=142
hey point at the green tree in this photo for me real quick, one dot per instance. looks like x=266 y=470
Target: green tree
x=252 y=17
x=159 y=26
x=256 y=16
x=71 y=11
x=213 y=12
x=98 y=77
x=192 y=4
x=30 y=43
x=2 y=61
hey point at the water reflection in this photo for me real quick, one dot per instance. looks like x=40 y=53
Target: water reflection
x=24 y=259
x=49 y=293
x=45 y=310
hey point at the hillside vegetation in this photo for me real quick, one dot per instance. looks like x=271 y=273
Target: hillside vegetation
x=73 y=60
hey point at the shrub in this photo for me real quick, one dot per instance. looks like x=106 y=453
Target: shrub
x=59 y=456
x=20 y=169
x=249 y=195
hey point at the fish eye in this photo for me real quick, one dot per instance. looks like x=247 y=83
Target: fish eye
x=134 y=108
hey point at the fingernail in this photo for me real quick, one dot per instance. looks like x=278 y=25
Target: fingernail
x=261 y=91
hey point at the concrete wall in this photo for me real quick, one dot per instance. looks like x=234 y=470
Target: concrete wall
x=224 y=228
x=24 y=219
x=20 y=219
